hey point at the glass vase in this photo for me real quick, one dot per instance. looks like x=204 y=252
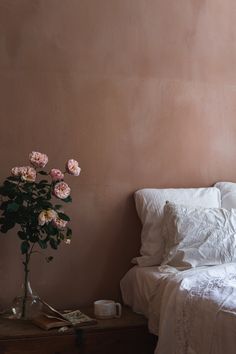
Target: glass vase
x=25 y=307
x=28 y=305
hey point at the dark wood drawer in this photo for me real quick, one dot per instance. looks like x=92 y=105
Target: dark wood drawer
x=127 y=335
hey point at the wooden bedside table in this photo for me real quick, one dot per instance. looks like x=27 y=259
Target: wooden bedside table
x=125 y=335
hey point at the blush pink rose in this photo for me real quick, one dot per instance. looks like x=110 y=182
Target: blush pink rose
x=61 y=190
x=56 y=174
x=28 y=174
x=72 y=167
x=38 y=159
x=16 y=171
x=46 y=216
x=59 y=223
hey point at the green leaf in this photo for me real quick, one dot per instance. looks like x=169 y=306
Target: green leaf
x=43 y=186
x=53 y=243
x=4 y=229
x=51 y=230
x=61 y=236
x=42 y=244
x=67 y=200
x=19 y=199
x=43 y=173
x=63 y=217
x=33 y=238
x=26 y=196
x=7 y=192
x=41 y=192
x=12 y=178
x=44 y=181
x=49 y=259
x=4 y=205
x=25 y=247
x=8 y=224
x=45 y=204
x=22 y=235
x=27 y=186
x=9 y=184
x=58 y=206
x=12 y=207
x=48 y=196
x=68 y=232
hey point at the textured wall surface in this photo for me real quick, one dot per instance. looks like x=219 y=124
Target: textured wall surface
x=141 y=92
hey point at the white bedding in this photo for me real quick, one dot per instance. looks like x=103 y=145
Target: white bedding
x=140 y=284
x=197 y=237
x=198 y=312
x=191 y=311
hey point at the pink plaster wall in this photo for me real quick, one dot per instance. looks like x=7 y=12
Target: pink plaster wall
x=141 y=92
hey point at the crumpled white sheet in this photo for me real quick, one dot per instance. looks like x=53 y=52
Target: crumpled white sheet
x=198 y=311
x=139 y=285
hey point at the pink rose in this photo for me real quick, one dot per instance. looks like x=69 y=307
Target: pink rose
x=61 y=190
x=27 y=174
x=38 y=159
x=72 y=167
x=46 y=216
x=56 y=174
x=59 y=223
x=16 y=171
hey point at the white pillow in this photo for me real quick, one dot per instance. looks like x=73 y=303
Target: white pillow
x=228 y=194
x=198 y=237
x=150 y=204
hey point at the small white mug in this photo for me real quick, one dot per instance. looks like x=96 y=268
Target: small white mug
x=105 y=309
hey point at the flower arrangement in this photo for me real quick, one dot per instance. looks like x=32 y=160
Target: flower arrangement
x=28 y=201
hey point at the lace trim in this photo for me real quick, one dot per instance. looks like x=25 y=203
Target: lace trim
x=188 y=310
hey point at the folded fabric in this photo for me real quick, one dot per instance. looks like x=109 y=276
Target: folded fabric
x=150 y=205
x=228 y=194
x=198 y=236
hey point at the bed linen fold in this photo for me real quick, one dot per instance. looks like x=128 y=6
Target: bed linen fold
x=198 y=311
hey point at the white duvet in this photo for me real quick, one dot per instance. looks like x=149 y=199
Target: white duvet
x=197 y=313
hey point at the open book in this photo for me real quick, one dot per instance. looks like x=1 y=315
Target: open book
x=51 y=318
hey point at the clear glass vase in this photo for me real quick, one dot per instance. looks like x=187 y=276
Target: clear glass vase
x=25 y=307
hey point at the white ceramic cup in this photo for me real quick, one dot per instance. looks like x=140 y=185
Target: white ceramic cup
x=105 y=309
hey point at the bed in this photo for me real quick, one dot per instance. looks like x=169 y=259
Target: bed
x=188 y=293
